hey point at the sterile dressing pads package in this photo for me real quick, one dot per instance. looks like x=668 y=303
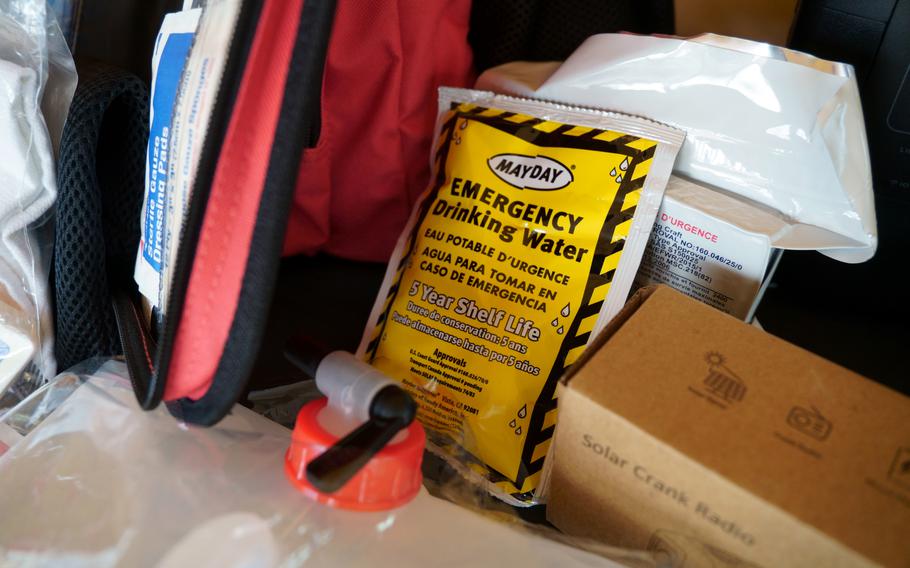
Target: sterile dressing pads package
x=171 y=50
x=524 y=246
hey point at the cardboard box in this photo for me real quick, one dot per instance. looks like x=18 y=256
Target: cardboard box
x=712 y=247
x=687 y=431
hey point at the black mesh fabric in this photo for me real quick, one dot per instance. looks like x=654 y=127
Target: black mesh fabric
x=100 y=182
x=550 y=30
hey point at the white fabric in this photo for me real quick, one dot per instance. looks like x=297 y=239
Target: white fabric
x=28 y=189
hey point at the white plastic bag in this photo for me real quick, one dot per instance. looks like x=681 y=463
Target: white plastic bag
x=37 y=81
x=780 y=129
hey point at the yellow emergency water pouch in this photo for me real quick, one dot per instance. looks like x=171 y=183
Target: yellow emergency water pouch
x=522 y=248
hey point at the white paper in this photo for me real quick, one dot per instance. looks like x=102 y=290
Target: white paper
x=702 y=256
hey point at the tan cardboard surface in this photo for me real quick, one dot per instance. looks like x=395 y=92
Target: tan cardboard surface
x=764 y=435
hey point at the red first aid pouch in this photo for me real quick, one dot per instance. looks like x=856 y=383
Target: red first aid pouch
x=317 y=142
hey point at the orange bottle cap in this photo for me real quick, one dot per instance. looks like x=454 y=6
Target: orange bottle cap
x=390 y=479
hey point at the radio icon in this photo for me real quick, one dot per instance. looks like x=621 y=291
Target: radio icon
x=809 y=421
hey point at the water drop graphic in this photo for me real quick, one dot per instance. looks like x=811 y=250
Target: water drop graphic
x=566 y=311
x=618 y=178
x=560 y=330
x=613 y=172
x=555 y=322
x=513 y=423
x=464 y=124
x=624 y=165
x=523 y=411
x=518 y=431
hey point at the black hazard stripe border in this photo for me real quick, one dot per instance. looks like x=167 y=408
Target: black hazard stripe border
x=561 y=136
x=604 y=249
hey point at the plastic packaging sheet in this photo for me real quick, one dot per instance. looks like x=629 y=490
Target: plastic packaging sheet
x=37 y=81
x=18 y=421
x=780 y=129
x=101 y=483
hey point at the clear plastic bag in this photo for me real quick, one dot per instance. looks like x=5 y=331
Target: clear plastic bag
x=67 y=12
x=38 y=404
x=37 y=82
x=123 y=487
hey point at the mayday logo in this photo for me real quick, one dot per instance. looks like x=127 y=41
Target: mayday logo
x=538 y=173
x=721 y=386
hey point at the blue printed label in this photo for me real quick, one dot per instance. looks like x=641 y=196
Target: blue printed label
x=167 y=79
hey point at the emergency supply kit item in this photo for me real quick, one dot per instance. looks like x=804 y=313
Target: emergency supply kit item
x=525 y=243
x=358 y=447
x=775 y=152
x=36 y=84
x=291 y=95
x=108 y=471
x=230 y=177
x=696 y=435
x=168 y=59
x=701 y=247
